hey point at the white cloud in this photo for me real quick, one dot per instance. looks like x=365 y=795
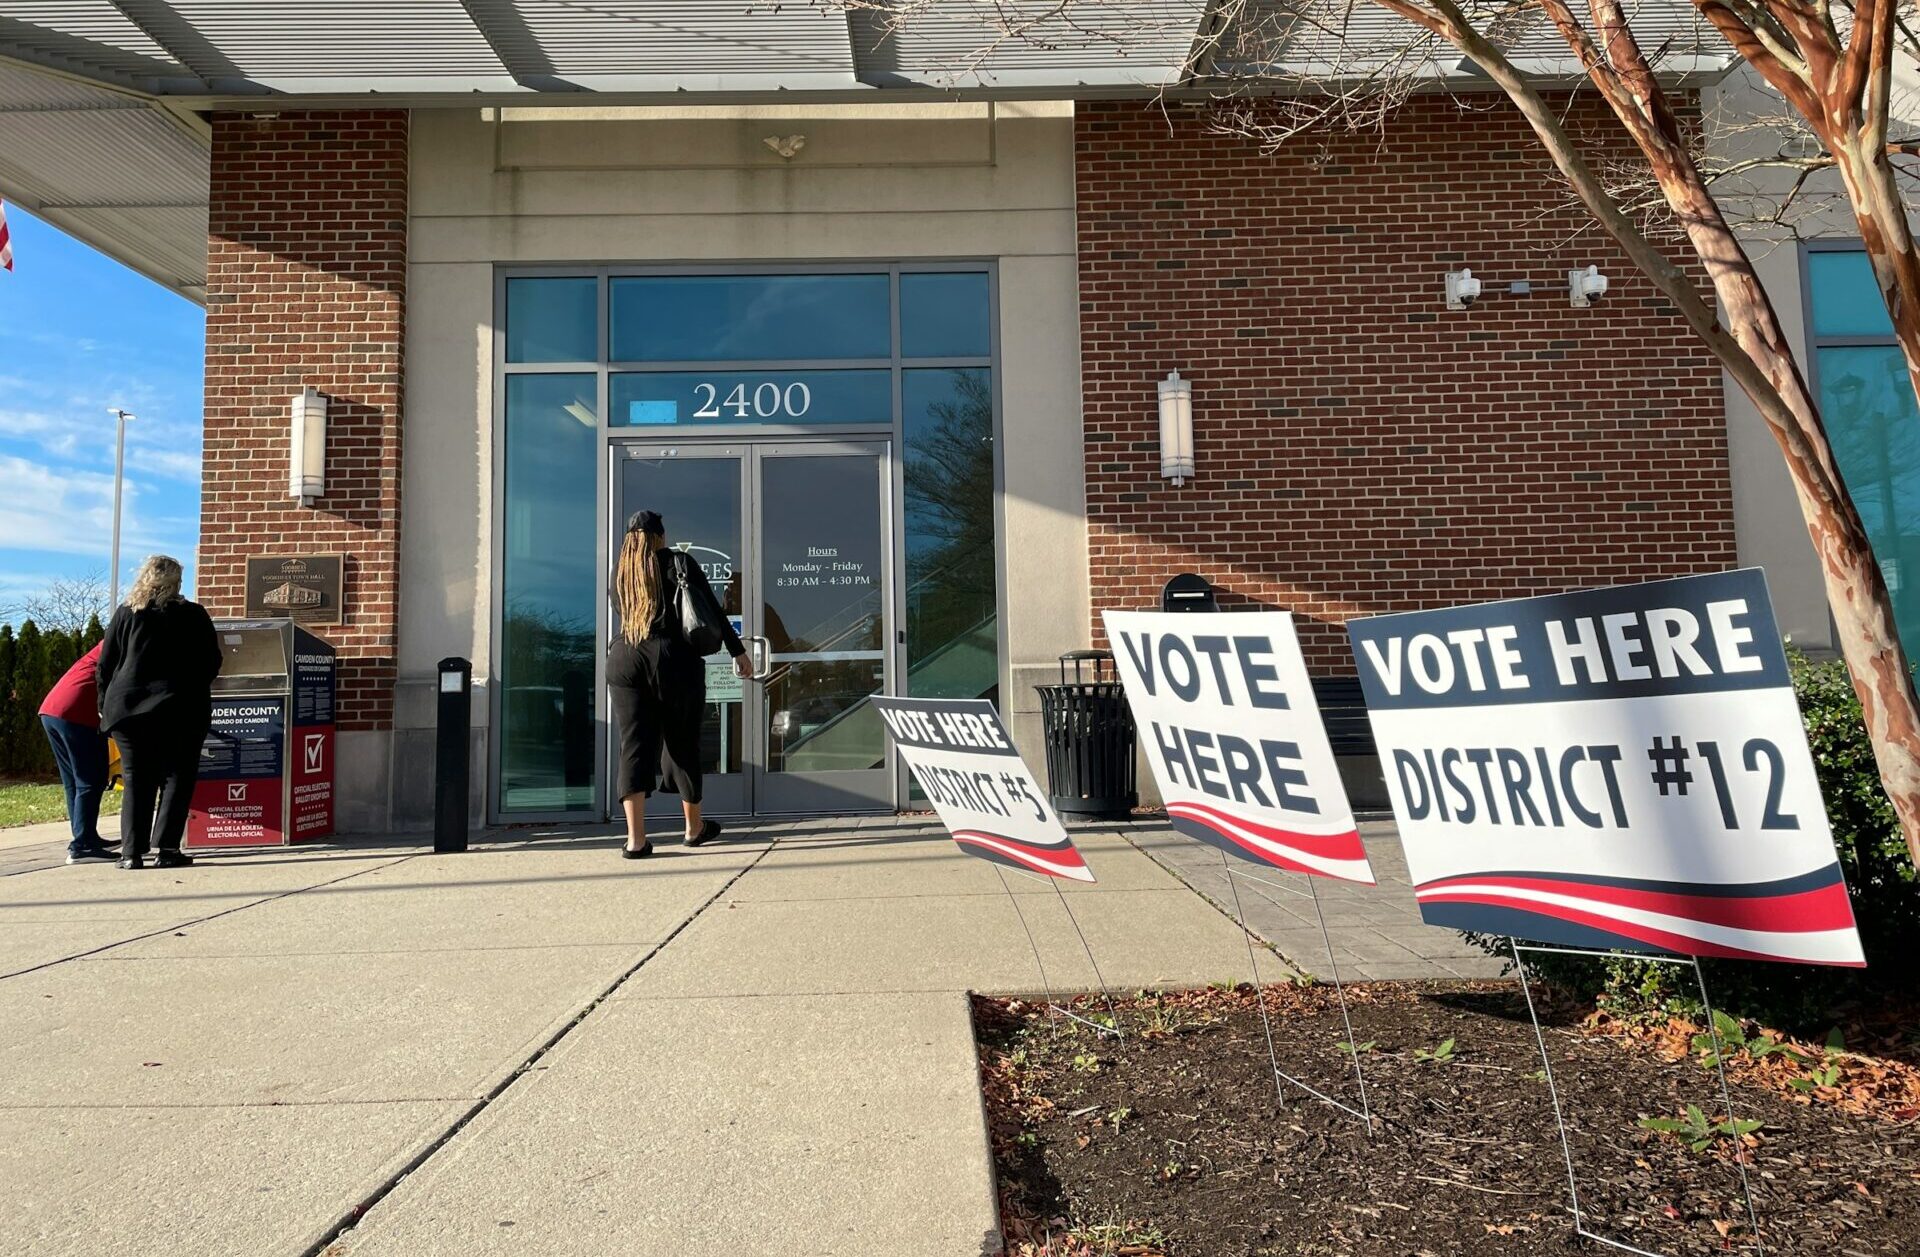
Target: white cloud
x=176 y=464
x=54 y=510
x=165 y=448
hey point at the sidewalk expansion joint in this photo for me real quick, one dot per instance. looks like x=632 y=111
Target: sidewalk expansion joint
x=532 y=1064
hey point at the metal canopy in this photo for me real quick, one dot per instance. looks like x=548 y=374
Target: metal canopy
x=214 y=53
x=101 y=100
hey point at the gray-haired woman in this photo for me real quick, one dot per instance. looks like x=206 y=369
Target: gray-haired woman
x=156 y=673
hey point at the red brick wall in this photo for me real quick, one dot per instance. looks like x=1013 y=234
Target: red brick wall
x=306 y=284
x=1361 y=448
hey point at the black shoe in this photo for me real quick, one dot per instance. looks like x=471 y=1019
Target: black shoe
x=92 y=853
x=708 y=832
x=172 y=860
x=644 y=850
x=131 y=862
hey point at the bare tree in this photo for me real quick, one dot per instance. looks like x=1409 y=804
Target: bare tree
x=67 y=604
x=1279 y=72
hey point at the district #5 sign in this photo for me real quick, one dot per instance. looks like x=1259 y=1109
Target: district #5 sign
x=1234 y=738
x=1618 y=768
x=963 y=759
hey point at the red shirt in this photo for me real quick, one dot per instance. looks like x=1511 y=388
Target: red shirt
x=75 y=696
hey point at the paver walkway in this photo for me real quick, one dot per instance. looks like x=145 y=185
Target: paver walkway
x=1375 y=931
x=763 y=1046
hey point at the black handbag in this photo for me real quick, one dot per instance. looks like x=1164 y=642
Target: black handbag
x=701 y=626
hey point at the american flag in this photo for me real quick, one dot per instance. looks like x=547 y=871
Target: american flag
x=6 y=242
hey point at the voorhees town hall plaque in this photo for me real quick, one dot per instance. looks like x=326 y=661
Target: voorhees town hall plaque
x=305 y=588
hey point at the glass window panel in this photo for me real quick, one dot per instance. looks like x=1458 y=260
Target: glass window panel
x=823 y=590
x=1846 y=297
x=547 y=594
x=1870 y=414
x=553 y=320
x=945 y=315
x=952 y=629
x=644 y=399
x=750 y=318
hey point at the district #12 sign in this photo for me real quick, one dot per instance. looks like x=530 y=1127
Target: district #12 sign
x=1232 y=733
x=960 y=753
x=1617 y=768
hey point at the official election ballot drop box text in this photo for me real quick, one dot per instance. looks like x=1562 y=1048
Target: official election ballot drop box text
x=266 y=767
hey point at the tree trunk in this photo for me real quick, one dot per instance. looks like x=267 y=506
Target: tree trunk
x=1856 y=589
x=1759 y=358
x=1887 y=237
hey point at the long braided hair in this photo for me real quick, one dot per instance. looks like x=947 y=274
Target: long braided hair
x=636 y=583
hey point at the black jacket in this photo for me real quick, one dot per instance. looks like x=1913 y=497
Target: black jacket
x=158 y=659
x=674 y=565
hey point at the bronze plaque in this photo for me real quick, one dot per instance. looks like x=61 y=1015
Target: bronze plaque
x=305 y=588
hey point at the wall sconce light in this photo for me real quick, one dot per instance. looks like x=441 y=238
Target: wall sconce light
x=307 y=455
x=1176 y=428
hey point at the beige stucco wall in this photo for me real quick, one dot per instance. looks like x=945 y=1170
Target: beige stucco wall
x=662 y=186
x=1742 y=116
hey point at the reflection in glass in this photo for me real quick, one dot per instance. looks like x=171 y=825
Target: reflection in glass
x=1869 y=409
x=952 y=624
x=1846 y=297
x=553 y=320
x=547 y=592
x=642 y=399
x=944 y=315
x=699 y=501
x=750 y=318
x=823 y=589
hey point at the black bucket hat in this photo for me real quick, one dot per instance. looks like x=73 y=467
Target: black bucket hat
x=647 y=521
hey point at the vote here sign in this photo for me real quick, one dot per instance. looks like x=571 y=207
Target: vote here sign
x=960 y=753
x=1231 y=731
x=1618 y=768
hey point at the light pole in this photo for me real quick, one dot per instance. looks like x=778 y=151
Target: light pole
x=119 y=471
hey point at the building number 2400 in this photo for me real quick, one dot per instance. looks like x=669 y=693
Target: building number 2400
x=766 y=401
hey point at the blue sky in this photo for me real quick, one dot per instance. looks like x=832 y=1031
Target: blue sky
x=79 y=333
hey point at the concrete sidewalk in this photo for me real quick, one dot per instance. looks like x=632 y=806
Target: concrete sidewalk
x=757 y=1047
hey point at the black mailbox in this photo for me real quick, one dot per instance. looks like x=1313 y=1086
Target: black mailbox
x=1188 y=591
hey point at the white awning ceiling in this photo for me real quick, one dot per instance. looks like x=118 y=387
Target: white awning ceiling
x=100 y=99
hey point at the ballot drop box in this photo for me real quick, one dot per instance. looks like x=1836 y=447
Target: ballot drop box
x=266 y=768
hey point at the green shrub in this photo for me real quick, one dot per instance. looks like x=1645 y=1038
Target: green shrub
x=31 y=661
x=1880 y=878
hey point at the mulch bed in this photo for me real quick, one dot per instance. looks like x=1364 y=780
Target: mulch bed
x=1172 y=1141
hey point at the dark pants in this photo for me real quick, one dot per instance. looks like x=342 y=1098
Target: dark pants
x=658 y=692
x=159 y=762
x=80 y=752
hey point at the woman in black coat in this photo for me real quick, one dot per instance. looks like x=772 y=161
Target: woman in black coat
x=656 y=682
x=156 y=673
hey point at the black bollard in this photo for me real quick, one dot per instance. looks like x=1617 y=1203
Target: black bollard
x=450 y=757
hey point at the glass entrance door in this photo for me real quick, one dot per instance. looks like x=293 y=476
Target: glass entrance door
x=795 y=538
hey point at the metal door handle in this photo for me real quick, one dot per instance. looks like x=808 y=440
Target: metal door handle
x=761 y=652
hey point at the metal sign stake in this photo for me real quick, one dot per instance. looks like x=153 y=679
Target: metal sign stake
x=1259 y=995
x=1340 y=992
x=1559 y=1118
x=1364 y=1113
x=1052 y=1005
x=1726 y=1099
x=1106 y=992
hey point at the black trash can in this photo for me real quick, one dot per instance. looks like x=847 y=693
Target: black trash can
x=1090 y=739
